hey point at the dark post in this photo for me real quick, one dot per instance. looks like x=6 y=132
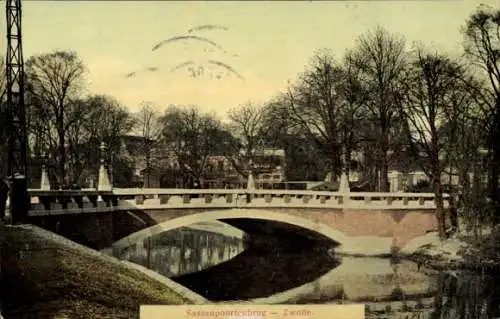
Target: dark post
x=20 y=200
x=4 y=194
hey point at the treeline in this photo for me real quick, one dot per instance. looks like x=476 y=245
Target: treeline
x=405 y=104
x=388 y=100
x=65 y=127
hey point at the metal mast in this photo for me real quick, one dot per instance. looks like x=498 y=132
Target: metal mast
x=16 y=116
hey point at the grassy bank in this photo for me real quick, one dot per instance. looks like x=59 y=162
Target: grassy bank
x=46 y=276
x=461 y=253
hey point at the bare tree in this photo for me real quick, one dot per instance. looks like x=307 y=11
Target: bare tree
x=191 y=136
x=314 y=104
x=380 y=57
x=54 y=81
x=248 y=125
x=102 y=119
x=482 y=46
x=465 y=147
x=428 y=91
x=353 y=111
x=77 y=138
x=464 y=144
x=148 y=127
x=277 y=121
x=114 y=120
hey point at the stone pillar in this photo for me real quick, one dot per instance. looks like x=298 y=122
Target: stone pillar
x=394 y=178
x=103 y=183
x=45 y=182
x=344 y=188
x=344 y=183
x=250 y=182
x=328 y=177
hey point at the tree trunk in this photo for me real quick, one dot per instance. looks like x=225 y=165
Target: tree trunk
x=62 y=158
x=148 y=169
x=494 y=171
x=348 y=159
x=436 y=181
x=337 y=169
x=384 y=163
x=336 y=164
x=440 y=212
x=369 y=167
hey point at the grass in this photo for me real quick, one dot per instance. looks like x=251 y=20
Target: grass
x=43 y=277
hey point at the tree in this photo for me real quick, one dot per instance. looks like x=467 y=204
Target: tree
x=465 y=154
x=54 y=82
x=149 y=129
x=248 y=125
x=482 y=46
x=114 y=121
x=464 y=149
x=102 y=119
x=353 y=118
x=380 y=57
x=304 y=160
x=313 y=105
x=278 y=123
x=429 y=92
x=191 y=136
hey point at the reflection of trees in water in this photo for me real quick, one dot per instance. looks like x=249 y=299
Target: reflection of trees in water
x=467 y=296
x=182 y=251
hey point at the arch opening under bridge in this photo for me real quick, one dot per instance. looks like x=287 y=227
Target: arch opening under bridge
x=257 y=214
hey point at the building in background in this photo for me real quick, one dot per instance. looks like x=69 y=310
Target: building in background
x=269 y=167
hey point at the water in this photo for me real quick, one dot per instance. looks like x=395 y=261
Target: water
x=226 y=268
x=181 y=251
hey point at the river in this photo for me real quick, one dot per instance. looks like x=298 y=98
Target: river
x=221 y=267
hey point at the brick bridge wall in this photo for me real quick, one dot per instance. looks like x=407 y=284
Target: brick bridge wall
x=101 y=230
x=400 y=225
x=92 y=230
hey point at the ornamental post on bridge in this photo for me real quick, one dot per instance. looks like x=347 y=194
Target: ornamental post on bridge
x=103 y=183
x=251 y=180
x=344 y=183
x=344 y=188
x=44 y=181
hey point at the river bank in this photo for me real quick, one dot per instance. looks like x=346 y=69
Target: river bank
x=459 y=252
x=47 y=276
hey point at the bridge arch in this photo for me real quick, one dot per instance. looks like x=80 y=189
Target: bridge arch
x=261 y=214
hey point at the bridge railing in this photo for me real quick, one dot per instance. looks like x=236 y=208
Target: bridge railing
x=80 y=201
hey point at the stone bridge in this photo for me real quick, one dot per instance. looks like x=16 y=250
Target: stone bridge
x=361 y=223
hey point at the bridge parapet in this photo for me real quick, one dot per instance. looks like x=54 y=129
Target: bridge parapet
x=45 y=202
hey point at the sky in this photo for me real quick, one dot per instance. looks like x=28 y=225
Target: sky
x=259 y=46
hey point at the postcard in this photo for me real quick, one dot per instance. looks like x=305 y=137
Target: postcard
x=250 y=159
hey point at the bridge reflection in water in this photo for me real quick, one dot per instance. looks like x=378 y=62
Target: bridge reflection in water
x=181 y=251
x=220 y=267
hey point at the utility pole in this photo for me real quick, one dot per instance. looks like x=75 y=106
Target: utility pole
x=16 y=116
